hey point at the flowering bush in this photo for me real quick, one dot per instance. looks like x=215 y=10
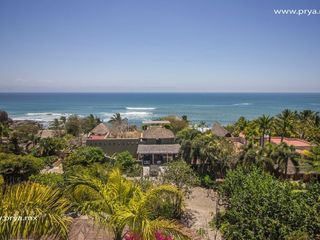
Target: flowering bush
x=132 y=236
x=161 y=236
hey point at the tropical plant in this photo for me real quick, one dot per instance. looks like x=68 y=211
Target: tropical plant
x=312 y=159
x=282 y=154
x=181 y=175
x=185 y=138
x=84 y=156
x=73 y=125
x=265 y=125
x=31 y=210
x=119 y=124
x=120 y=203
x=89 y=122
x=176 y=123
x=284 y=123
x=4 y=131
x=50 y=146
x=15 y=168
x=258 y=206
x=54 y=180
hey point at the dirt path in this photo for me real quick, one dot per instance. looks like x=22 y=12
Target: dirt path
x=201 y=206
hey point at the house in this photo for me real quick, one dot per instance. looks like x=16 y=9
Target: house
x=157 y=146
x=101 y=131
x=48 y=133
x=220 y=131
x=299 y=144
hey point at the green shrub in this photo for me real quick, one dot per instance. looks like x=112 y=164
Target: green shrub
x=50 y=179
x=258 y=206
x=15 y=168
x=84 y=156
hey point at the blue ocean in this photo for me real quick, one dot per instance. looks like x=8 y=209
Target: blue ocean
x=222 y=107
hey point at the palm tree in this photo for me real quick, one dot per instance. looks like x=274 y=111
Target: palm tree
x=44 y=207
x=120 y=204
x=185 y=138
x=313 y=158
x=202 y=126
x=118 y=123
x=241 y=125
x=284 y=122
x=305 y=119
x=282 y=154
x=265 y=125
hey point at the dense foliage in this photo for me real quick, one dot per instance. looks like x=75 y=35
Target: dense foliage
x=54 y=180
x=181 y=175
x=211 y=154
x=16 y=168
x=258 y=206
x=85 y=156
x=128 y=164
x=304 y=125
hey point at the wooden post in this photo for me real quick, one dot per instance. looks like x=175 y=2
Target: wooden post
x=152 y=159
x=167 y=157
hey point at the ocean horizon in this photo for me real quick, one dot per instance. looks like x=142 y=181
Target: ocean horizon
x=139 y=106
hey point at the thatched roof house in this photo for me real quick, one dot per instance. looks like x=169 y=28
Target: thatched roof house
x=157 y=132
x=48 y=133
x=155 y=122
x=101 y=130
x=220 y=131
x=158 y=149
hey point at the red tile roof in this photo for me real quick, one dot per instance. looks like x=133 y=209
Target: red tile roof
x=96 y=137
x=296 y=142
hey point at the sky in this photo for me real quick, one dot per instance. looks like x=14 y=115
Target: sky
x=158 y=46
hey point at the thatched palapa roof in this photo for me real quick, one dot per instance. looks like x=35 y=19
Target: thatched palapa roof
x=220 y=131
x=48 y=133
x=158 y=149
x=157 y=132
x=101 y=129
x=150 y=122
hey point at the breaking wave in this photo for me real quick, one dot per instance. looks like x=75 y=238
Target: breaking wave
x=40 y=116
x=130 y=115
x=241 y=104
x=140 y=108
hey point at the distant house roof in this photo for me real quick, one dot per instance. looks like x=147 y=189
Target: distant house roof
x=101 y=129
x=157 y=132
x=296 y=142
x=158 y=148
x=220 y=131
x=150 y=122
x=48 y=133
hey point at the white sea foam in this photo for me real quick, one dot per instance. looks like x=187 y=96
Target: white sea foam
x=40 y=116
x=129 y=114
x=241 y=104
x=140 y=108
x=46 y=114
